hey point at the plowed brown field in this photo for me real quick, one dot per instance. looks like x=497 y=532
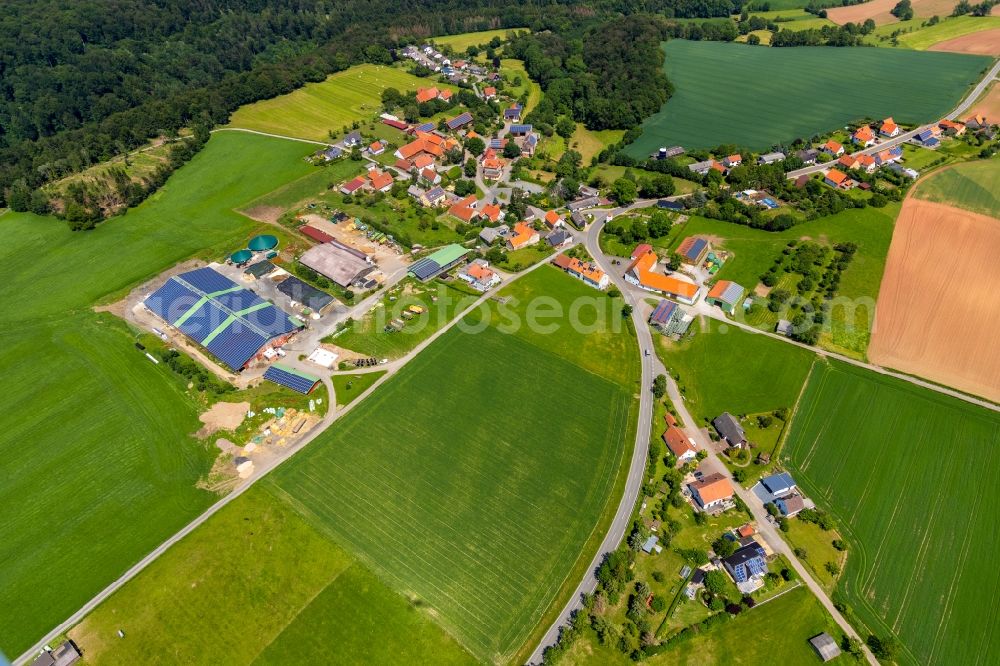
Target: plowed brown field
x=989 y=104
x=879 y=11
x=938 y=312
x=986 y=42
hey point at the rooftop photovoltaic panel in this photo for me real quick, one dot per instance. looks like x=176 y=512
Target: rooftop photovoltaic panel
x=207 y=280
x=293 y=379
x=663 y=312
x=230 y=321
x=424 y=268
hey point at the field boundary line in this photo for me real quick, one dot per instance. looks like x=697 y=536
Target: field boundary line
x=269 y=134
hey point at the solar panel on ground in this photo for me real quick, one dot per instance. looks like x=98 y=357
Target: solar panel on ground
x=293 y=379
x=425 y=268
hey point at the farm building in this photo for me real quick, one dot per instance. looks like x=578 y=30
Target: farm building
x=771 y=158
x=693 y=250
x=586 y=272
x=291 y=378
x=433 y=265
x=340 y=263
x=730 y=430
x=65 y=655
x=490 y=235
x=790 y=506
x=748 y=567
x=784 y=327
x=558 y=237
x=305 y=293
x=228 y=320
x=711 y=491
x=727 y=295
x=640 y=273
x=519 y=130
x=259 y=270
x=666 y=152
x=584 y=204
x=669 y=319
x=459 y=121
x=825 y=646
x=779 y=484
x=680 y=444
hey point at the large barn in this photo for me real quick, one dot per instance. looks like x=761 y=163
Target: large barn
x=230 y=321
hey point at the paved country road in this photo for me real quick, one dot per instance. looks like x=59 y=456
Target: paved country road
x=332 y=416
x=651 y=364
x=962 y=107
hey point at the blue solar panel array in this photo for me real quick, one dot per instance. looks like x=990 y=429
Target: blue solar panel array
x=207 y=280
x=425 y=268
x=296 y=382
x=243 y=336
x=663 y=312
x=696 y=248
x=459 y=120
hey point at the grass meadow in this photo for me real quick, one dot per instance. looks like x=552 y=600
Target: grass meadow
x=514 y=69
x=100 y=466
x=478 y=509
x=974 y=186
x=757 y=97
x=299 y=577
x=723 y=368
x=316 y=109
x=910 y=476
x=464 y=40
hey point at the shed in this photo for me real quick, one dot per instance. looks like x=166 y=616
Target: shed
x=260 y=269
x=825 y=646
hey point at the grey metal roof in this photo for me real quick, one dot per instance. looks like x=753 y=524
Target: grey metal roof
x=729 y=428
x=825 y=646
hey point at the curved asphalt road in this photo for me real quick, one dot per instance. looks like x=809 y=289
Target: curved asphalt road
x=651 y=364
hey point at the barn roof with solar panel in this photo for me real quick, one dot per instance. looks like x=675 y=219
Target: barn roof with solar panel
x=230 y=321
x=294 y=379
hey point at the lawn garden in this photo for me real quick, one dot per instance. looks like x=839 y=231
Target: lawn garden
x=803 y=93
x=100 y=464
x=908 y=474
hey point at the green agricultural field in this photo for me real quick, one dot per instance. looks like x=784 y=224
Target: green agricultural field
x=463 y=41
x=591 y=142
x=261 y=573
x=973 y=186
x=316 y=109
x=723 y=96
x=910 y=476
x=100 y=467
x=723 y=368
x=476 y=508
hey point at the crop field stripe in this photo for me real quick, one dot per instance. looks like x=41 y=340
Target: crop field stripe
x=805 y=92
x=902 y=471
x=431 y=530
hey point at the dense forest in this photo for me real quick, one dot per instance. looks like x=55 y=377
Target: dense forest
x=81 y=82
x=612 y=77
